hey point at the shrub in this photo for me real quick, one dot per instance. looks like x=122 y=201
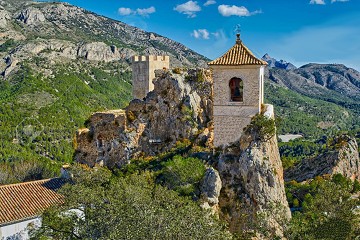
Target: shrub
x=261 y=127
x=176 y=70
x=130 y=116
x=183 y=174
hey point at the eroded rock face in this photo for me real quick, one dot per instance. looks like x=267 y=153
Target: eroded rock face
x=98 y=51
x=31 y=16
x=343 y=159
x=211 y=186
x=4 y=18
x=177 y=109
x=252 y=176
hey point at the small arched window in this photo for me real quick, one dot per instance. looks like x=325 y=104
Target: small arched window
x=236 y=90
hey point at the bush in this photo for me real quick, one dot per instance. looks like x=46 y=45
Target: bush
x=261 y=127
x=177 y=70
x=182 y=174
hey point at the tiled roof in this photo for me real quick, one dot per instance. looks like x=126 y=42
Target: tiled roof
x=239 y=54
x=27 y=200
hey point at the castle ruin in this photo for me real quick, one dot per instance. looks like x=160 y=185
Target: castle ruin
x=143 y=73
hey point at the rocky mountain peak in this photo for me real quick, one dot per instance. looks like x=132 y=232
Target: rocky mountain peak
x=273 y=63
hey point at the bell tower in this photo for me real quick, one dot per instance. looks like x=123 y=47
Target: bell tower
x=238 y=91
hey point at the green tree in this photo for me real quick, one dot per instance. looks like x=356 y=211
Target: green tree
x=101 y=206
x=328 y=215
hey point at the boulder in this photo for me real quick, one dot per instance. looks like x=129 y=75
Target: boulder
x=211 y=186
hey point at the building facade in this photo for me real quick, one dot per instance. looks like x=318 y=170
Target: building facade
x=238 y=92
x=143 y=73
x=22 y=203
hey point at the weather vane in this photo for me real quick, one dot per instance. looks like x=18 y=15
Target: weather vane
x=238 y=31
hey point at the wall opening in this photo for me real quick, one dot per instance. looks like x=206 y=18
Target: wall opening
x=236 y=90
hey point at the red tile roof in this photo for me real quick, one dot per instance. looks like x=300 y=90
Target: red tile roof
x=239 y=54
x=27 y=200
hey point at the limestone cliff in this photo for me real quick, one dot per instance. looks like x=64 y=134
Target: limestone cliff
x=178 y=108
x=253 y=192
x=341 y=157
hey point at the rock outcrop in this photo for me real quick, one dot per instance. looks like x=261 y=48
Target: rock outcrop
x=98 y=51
x=252 y=176
x=178 y=108
x=4 y=18
x=342 y=157
x=211 y=187
x=31 y=16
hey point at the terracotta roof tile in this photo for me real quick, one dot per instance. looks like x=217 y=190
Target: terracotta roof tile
x=26 y=200
x=239 y=54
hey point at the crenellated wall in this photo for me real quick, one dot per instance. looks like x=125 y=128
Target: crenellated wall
x=143 y=68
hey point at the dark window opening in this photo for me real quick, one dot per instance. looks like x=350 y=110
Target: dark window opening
x=236 y=90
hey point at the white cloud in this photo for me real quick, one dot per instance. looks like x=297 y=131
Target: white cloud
x=145 y=12
x=320 y=2
x=209 y=2
x=227 y=11
x=125 y=11
x=332 y=1
x=189 y=8
x=201 y=34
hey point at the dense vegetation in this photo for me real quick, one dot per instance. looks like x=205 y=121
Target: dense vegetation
x=131 y=206
x=39 y=114
x=324 y=208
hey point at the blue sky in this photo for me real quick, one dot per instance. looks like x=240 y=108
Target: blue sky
x=299 y=31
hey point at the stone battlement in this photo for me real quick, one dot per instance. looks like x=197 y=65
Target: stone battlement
x=143 y=73
x=150 y=58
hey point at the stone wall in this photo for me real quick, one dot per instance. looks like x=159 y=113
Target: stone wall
x=143 y=68
x=231 y=117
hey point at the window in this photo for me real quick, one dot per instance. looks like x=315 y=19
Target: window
x=236 y=90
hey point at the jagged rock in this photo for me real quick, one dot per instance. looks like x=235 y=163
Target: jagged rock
x=343 y=159
x=31 y=16
x=11 y=65
x=252 y=175
x=175 y=110
x=273 y=63
x=211 y=186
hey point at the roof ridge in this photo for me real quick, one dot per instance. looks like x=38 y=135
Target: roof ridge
x=30 y=182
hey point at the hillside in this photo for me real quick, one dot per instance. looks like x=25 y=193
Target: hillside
x=59 y=64
x=315 y=99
